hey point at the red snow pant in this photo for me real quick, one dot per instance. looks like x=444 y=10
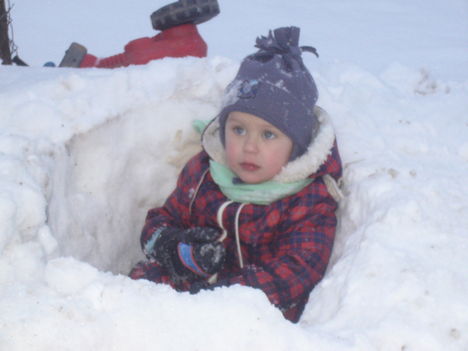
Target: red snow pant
x=179 y=41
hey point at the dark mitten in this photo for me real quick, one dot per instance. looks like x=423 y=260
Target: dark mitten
x=165 y=247
x=189 y=254
x=200 y=252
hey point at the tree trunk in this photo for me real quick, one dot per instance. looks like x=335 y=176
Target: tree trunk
x=5 y=53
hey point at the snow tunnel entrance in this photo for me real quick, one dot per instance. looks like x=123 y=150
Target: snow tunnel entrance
x=106 y=179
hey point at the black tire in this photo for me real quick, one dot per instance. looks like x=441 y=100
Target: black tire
x=184 y=11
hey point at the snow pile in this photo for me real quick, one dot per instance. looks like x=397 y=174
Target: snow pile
x=399 y=277
x=85 y=153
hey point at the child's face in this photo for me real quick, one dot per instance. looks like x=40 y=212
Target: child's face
x=255 y=149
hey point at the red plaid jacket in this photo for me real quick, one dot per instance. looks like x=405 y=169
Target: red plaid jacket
x=285 y=246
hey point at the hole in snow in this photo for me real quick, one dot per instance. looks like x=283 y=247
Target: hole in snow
x=106 y=179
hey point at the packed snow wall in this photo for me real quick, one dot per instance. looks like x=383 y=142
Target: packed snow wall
x=105 y=146
x=109 y=176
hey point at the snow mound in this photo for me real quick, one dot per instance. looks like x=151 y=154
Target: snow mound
x=85 y=153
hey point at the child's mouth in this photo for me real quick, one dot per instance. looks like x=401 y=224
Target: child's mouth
x=250 y=167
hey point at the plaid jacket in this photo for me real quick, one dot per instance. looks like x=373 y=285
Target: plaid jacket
x=285 y=246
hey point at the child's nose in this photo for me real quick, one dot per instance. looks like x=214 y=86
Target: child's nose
x=251 y=144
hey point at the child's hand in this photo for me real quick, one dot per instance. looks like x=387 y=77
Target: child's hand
x=189 y=254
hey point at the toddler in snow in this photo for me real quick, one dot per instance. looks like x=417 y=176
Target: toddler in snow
x=257 y=205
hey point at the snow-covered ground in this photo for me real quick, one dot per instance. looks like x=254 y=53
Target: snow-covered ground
x=85 y=153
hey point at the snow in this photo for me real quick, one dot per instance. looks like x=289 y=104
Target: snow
x=84 y=153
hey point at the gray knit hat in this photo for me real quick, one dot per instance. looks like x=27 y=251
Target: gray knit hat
x=274 y=84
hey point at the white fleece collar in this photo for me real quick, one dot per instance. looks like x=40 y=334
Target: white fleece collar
x=299 y=169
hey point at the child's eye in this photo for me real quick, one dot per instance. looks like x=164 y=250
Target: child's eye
x=269 y=135
x=238 y=130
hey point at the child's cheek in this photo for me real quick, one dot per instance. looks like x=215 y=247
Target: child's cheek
x=231 y=152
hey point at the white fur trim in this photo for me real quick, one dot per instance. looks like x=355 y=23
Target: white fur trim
x=211 y=142
x=299 y=169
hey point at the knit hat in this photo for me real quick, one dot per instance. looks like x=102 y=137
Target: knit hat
x=274 y=84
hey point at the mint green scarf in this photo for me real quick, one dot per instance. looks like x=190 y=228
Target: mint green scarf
x=258 y=194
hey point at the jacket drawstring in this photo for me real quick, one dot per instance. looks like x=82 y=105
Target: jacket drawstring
x=236 y=226
x=333 y=187
x=220 y=220
x=239 y=252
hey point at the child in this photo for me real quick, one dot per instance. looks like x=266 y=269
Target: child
x=255 y=206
